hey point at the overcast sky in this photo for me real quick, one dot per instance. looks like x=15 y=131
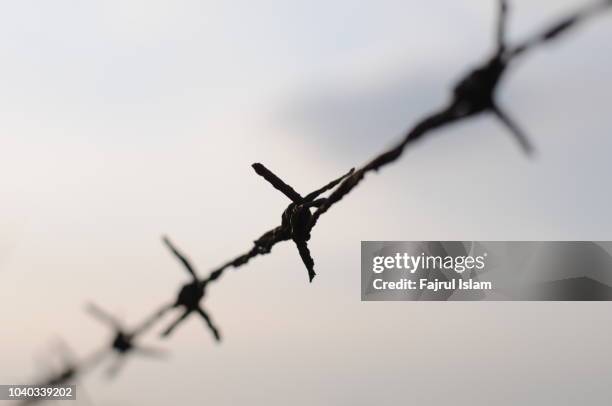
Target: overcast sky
x=126 y=119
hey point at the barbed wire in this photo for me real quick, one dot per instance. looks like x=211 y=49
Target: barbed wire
x=473 y=95
x=190 y=295
x=124 y=339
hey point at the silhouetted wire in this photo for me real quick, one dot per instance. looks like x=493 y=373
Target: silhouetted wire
x=295 y=223
x=72 y=369
x=124 y=340
x=190 y=295
x=472 y=95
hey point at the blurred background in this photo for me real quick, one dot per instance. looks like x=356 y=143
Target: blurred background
x=126 y=119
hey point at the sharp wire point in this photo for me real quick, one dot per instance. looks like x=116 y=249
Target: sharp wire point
x=515 y=130
x=182 y=258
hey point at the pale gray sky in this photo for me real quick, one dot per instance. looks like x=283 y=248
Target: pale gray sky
x=123 y=120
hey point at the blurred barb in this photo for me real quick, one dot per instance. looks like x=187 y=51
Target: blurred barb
x=501 y=26
x=103 y=316
x=123 y=342
x=472 y=95
x=557 y=29
x=72 y=369
x=190 y=294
